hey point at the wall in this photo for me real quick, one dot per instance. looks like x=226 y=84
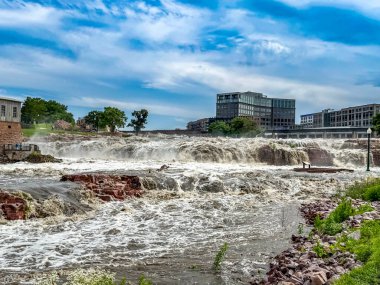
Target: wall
x=10 y=135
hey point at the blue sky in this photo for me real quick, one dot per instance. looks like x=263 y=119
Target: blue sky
x=172 y=56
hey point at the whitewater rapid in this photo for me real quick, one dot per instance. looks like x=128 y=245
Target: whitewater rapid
x=213 y=191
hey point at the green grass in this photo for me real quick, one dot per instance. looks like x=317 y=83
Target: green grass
x=332 y=225
x=43 y=130
x=368 y=190
x=367 y=250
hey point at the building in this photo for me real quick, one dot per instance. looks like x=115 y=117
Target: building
x=358 y=116
x=317 y=120
x=200 y=125
x=269 y=113
x=10 y=121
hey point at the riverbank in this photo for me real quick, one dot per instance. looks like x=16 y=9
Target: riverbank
x=342 y=247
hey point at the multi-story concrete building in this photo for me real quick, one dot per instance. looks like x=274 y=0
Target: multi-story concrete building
x=317 y=120
x=10 y=121
x=357 y=116
x=267 y=112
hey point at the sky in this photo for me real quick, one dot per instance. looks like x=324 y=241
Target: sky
x=173 y=56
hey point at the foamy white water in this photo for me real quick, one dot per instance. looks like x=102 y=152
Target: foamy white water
x=214 y=191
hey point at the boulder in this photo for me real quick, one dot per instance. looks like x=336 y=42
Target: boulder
x=108 y=187
x=319 y=278
x=12 y=207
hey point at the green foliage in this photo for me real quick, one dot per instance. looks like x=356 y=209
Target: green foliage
x=219 y=128
x=300 y=229
x=220 y=257
x=368 y=190
x=140 y=120
x=144 y=281
x=376 y=123
x=320 y=251
x=239 y=126
x=367 y=250
x=243 y=125
x=332 y=224
x=113 y=118
x=93 y=118
x=37 y=110
x=363 y=209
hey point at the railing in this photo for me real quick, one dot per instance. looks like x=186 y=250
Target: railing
x=21 y=147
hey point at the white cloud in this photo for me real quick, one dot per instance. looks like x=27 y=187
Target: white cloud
x=28 y=15
x=371 y=7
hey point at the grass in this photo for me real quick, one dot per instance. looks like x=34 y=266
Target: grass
x=220 y=257
x=43 y=130
x=367 y=250
x=368 y=190
x=332 y=225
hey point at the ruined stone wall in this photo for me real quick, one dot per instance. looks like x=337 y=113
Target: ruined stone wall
x=10 y=133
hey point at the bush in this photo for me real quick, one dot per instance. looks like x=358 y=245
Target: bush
x=372 y=193
x=368 y=190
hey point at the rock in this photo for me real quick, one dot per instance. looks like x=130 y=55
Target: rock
x=36 y=157
x=319 y=278
x=355 y=235
x=12 y=207
x=108 y=187
x=320 y=157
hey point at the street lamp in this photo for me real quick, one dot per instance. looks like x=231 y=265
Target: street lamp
x=369 y=132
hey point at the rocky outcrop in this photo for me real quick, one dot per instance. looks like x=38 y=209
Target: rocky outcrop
x=36 y=157
x=320 y=157
x=12 y=206
x=363 y=144
x=273 y=155
x=108 y=187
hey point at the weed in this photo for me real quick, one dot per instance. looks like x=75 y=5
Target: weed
x=363 y=209
x=300 y=229
x=368 y=190
x=220 y=256
x=144 y=281
x=320 y=251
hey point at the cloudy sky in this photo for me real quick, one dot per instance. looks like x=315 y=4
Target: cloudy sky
x=172 y=56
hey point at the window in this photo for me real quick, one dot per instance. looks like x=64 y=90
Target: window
x=2 y=111
x=14 y=112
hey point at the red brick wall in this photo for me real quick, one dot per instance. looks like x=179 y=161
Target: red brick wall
x=10 y=135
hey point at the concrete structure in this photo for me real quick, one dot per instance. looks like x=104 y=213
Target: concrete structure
x=267 y=112
x=10 y=121
x=323 y=133
x=357 y=116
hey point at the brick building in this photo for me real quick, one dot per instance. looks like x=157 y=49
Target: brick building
x=10 y=121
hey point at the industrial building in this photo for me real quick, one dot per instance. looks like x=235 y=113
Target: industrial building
x=357 y=116
x=10 y=121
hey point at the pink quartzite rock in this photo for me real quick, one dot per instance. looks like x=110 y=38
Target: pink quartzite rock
x=12 y=207
x=108 y=187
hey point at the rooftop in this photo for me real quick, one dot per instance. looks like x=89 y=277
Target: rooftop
x=10 y=99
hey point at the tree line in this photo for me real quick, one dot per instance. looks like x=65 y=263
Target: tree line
x=37 y=110
x=116 y=118
x=239 y=126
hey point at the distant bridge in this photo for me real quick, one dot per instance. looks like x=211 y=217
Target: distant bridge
x=314 y=133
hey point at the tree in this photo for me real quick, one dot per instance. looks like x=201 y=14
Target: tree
x=376 y=123
x=93 y=118
x=56 y=111
x=113 y=117
x=33 y=110
x=243 y=125
x=219 y=128
x=140 y=121
x=37 y=110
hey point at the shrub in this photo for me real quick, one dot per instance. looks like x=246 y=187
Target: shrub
x=372 y=193
x=220 y=256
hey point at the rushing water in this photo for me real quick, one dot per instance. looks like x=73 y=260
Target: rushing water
x=214 y=191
